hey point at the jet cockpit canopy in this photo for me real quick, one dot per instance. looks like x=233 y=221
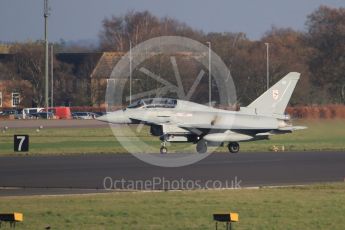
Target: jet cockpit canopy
x=154 y=103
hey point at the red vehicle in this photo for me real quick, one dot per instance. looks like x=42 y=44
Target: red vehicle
x=61 y=112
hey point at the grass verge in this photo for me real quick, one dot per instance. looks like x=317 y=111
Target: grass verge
x=310 y=207
x=320 y=135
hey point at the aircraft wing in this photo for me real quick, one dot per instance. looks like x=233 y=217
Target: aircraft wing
x=222 y=127
x=137 y=120
x=146 y=121
x=292 y=128
x=283 y=130
x=198 y=128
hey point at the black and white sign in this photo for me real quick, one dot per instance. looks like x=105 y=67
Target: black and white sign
x=21 y=143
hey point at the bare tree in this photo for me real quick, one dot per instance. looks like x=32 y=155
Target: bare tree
x=29 y=65
x=326 y=35
x=136 y=27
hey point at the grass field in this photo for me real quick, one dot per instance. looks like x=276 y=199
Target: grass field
x=310 y=207
x=321 y=135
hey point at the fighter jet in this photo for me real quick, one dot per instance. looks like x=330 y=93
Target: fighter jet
x=174 y=120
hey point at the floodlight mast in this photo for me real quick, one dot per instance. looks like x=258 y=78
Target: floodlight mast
x=52 y=75
x=130 y=72
x=45 y=15
x=267 y=65
x=209 y=75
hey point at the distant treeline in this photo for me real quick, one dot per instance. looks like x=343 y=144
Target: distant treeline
x=318 y=53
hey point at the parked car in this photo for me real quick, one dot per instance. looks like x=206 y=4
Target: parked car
x=100 y=113
x=8 y=112
x=43 y=115
x=27 y=113
x=11 y=113
x=94 y=115
x=84 y=115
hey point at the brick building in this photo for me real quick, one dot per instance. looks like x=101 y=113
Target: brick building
x=100 y=76
x=86 y=86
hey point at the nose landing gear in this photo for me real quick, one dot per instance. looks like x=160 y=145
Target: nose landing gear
x=163 y=149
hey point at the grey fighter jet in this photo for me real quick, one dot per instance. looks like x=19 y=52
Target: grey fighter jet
x=184 y=121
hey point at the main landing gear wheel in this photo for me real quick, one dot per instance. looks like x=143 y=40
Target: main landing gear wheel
x=201 y=146
x=163 y=150
x=234 y=147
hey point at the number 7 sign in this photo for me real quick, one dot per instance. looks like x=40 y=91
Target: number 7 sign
x=21 y=143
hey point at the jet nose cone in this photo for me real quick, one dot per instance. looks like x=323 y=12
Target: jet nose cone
x=103 y=118
x=117 y=117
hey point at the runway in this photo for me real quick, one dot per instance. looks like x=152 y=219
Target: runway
x=86 y=173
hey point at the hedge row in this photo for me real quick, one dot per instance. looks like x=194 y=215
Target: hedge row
x=316 y=112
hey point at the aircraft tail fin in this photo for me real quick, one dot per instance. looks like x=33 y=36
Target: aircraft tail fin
x=276 y=98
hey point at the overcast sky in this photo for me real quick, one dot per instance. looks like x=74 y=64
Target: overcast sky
x=22 y=20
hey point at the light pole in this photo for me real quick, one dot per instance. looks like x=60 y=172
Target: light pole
x=45 y=15
x=52 y=76
x=209 y=74
x=267 y=64
x=130 y=72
